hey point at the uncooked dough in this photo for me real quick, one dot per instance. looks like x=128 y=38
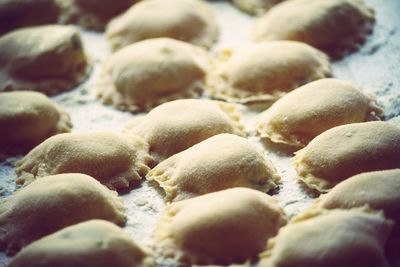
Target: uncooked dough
x=334 y=26
x=224 y=227
x=255 y=7
x=116 y=160
x=266 y=71
x=47 y=58
x=219 y=162
x=151 y=72
x=308 y=111
x=177 y=125
x=190 y=21
x=94 y=243
x=52 y=203
x=347 y=150
x=28 y=118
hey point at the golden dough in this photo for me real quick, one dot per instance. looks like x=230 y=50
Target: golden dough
x=177 y=125
x=255 y=7
x=22 y=13
x=347 y=150
x=52 y=203
x=48 y=59
x=225 y=227
x=334 y=26
x=92 y=14
x=220 y=162
x=266 y=71
x=94 y=243
x=151 y=72
x=190 y=21
x=28 y=118
x=314 y=108
x=116 y=160
x=330 y=239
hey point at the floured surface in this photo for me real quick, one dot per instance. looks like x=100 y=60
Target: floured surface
x=375 y=67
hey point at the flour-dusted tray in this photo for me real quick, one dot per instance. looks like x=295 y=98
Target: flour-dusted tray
x=375 y=67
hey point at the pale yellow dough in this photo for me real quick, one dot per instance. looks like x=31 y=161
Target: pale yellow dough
x=52 y=203
x=190 y=21
x=220 y=228
x=94 y=243
x=334 y=26
x=255 y=7
x=347 y=150
x=330 y=239
x=47 y=58
x=28 y=118
x=116 y=160
x=148 y=73
x=266 y=71
x=219 y=162
x=177 y=125
x=308 y=111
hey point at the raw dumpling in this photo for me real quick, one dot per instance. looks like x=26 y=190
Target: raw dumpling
x=266 y=71
x=225 y=227
x=314 y=108
x=219 y=162
x=177 y=125
x=28 y=118
x=22 y=13
x=330 y=239
x=190 y=21
x=94 y=243
x=255 y=7
x=52 y=203
x=334 y=26
x=151 y=72
x=347 y=150
x=116 y=160
x=92 y=14
x=48 y=59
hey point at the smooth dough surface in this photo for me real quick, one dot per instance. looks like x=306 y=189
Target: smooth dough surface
x=52 y=203
x=116 y=160
x=330 y=239
x=177 y=125
x=16 y=14
x=148 y=73
x=306 y=112
x=47 y=58
x=266 y=71
x=190 y=21
x=219 y=162
x=28 y=118
x=334 y=26
x=255 y=7
x=229 y=226
x=94 y=243
x=347 y=150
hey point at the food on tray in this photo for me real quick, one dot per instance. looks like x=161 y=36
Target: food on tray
x=334 y=26
x=347 y=150
x=255 y=7
x=48 y=59
x=225 y=227
x=220 y=162
x=116 y=160
x=147 y=73
x=306 y=112
x=190 y=21
x=28 y=118
x=321 y=238
x=52 y=203
x=266 y=71
x=177 y=125
x=94 y=243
